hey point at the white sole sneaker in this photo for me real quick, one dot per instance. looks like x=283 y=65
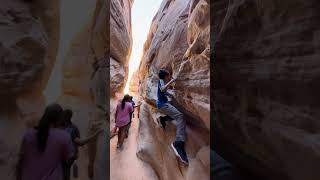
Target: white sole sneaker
x=177 y=154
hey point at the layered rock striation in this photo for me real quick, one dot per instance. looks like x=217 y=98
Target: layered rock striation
x=93 y=70
x=28 y=47
x=121 y=43
x=180 y=32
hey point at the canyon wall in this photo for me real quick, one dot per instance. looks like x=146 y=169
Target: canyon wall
x=28 y=47
x=86 y=84
x=120 y=50
x=266 y=84
x=92 y=71
x=121 y=43
x=180 y=31
x=76 y=83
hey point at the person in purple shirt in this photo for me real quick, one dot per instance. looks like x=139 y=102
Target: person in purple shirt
x=44 y=148
x=131 y=115
x=122 y=118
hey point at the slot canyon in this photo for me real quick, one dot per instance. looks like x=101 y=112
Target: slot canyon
x=180 y=28
x=265 y=73
x=30 y=45
x=31 y=34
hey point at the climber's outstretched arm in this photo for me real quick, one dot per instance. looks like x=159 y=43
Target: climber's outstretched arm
x=165 y=87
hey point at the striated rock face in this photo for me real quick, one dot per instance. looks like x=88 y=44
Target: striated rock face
x=121 y=43
x=86 y=88
x=99 y=90
x=76 y=82
x=179 y=32
x=28 y=46
x=266 y=86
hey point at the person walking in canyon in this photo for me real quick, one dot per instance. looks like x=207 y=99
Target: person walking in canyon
x=166 y=108
x=133 y=106
x=74 y=133
x=122 y=118
x=45 y=148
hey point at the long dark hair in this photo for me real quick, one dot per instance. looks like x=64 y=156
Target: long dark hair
x=125 y=99
x=51 y=116
x=67 y=115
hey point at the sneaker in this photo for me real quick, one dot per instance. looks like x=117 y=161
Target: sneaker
x=178 y=148
x=162 y=122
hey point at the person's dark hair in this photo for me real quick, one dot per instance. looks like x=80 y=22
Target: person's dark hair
x=67 y=115
x=131 y=98
x=51 y=116
x=163 y=73
x=125 y=99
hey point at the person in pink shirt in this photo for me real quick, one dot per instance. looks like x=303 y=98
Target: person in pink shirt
x=122 y=118
x=45 y=148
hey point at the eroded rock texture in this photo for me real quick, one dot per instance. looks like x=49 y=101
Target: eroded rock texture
x=179 y=32
x=266 y=87
x=28 y=46
x=154 y=148
x=77 y=70
x=121 y=43
x=86 y=88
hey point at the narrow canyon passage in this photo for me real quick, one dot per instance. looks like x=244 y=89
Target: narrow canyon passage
x=124 y=164
x=179 y=32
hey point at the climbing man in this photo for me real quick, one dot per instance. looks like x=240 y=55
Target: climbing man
x=166 y=108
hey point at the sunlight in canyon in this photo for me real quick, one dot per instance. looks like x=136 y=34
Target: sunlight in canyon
x=72 y=21
x=142 y=14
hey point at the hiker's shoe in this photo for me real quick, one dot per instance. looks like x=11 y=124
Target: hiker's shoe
x=178 y=148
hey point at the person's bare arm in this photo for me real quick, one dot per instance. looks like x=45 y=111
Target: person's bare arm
x=174 y=78
x=165 y=87
x=84 y=141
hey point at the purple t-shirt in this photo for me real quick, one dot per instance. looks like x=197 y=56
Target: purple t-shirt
x=45 y=165
x=123 y=115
